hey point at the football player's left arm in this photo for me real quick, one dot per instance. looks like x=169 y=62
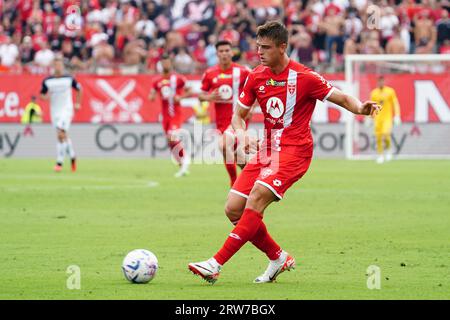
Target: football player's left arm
x=397 y=120
x=368 y=108
x=77 y=87
x=249 y=143
x=78 y=99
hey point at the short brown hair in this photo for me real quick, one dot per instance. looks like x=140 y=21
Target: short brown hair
x=223 y=43
x=274 y=31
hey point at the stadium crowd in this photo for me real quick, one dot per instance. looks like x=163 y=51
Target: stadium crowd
x=129 y=36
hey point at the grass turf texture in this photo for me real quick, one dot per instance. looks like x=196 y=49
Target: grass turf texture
x=339 y=219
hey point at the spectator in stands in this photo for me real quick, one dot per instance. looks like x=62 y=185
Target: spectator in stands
x=44 y=57
x=102 y=54
x=38 y=38
x=353 y=24
x=183 y=62
x=424 y=32
x=210 y=51
x=36 y=15
x=351 y=45
x=302 y=48
x=134 y=55
x=9 y=52
x=388 y=22
x=198 y=54
x=334 y=25
x=370 y=43
x=145 y=28
x=443 y=29
x=26 y=50
x=251 y=56
x=395 y=44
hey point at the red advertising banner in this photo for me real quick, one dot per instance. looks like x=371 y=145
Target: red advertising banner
x=124 y=99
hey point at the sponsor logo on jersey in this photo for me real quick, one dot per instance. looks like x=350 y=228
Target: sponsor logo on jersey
x=166 y=92
x=222 y=76
x=274 y=83
x=275 y=107
x=225 y=91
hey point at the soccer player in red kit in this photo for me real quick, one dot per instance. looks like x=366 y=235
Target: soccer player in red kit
x=287 y=92
x=172 y=88
x=222 y=84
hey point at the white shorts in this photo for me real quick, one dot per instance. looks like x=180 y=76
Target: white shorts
x=62 y=122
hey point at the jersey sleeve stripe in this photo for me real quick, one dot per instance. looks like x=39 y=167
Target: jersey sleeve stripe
x=328 y=94
x=242 y=105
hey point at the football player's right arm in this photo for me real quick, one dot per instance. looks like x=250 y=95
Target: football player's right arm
x=213 y=96
x=245 y=102
x=205 y=95
x=44 y=91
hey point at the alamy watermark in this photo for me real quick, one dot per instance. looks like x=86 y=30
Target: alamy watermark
x=373 y=17
x=73 y=282
x=74 y=20
x=373 y=273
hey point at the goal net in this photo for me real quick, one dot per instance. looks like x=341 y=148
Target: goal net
x=422 y=87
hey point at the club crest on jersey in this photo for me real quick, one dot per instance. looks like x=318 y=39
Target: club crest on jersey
x=274 y=83
x=292 y=88
x=275 y=107
x=266 y=172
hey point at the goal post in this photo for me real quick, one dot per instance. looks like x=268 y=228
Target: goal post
x=422 y=85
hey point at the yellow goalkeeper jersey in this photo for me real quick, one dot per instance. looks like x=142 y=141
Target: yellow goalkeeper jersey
x=387 y=98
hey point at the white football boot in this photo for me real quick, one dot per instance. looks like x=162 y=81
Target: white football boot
x=276 y=267
x=184 y=170
x=380 y=159
x=209 y=270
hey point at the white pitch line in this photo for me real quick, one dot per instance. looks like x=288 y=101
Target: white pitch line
x=150 y=184
x=59 y=176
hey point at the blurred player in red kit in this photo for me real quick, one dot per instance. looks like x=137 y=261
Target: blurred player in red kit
x=287 y=92
x=222 y=84
x=172 y=88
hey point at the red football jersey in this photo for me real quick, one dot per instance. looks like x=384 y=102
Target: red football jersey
x=168 y=87
x=229 y=84
x=287 y=101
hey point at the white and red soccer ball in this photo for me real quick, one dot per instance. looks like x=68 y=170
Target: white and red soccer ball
x=140 y=266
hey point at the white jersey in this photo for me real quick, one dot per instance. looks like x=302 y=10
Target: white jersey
x=60 y=91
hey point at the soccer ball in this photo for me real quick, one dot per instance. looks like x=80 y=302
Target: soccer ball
x=140 y=266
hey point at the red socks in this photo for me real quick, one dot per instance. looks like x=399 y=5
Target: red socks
x=264 y=242
x=231 y=169
x=177 y=150
x=244 y=231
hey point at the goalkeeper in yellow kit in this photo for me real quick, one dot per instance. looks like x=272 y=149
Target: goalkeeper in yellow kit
x=389 y=115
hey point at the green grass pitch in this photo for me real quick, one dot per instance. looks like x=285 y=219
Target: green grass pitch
x=342 y=217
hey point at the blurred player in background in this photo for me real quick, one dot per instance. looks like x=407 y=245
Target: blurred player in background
x=172 y=88
x=32 y=112
x=386 y=97
x=58 y=88
x=287 y=92
x=221 y=84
